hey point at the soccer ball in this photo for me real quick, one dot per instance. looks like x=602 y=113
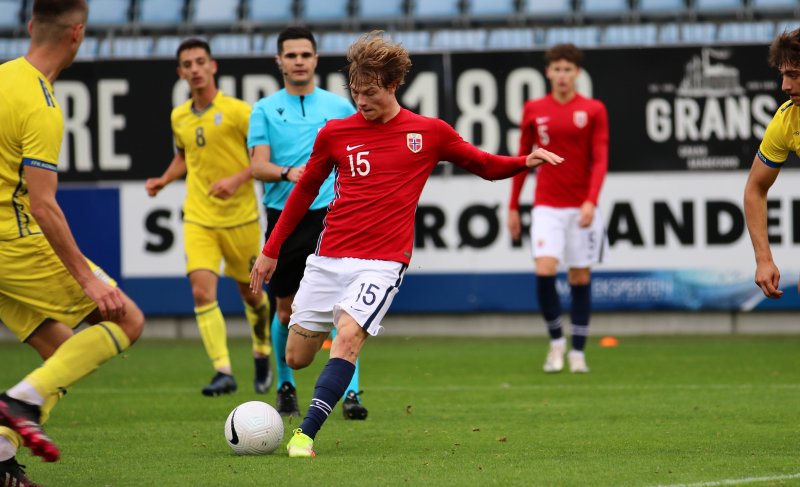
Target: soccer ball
x=254 y=428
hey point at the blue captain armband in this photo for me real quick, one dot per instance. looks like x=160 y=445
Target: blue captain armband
x=767 y=161
x=40 y=164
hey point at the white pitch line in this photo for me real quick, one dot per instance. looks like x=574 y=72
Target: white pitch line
x=746 y=480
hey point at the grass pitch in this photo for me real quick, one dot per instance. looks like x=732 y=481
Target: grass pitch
x=708 y=411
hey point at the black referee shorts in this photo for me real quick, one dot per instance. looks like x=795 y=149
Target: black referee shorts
x=292 y=259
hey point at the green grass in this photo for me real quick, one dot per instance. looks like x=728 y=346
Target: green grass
x=458 y=411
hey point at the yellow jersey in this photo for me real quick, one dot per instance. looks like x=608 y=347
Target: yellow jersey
x=781 y=137
x=214 y=144
x=31 y=129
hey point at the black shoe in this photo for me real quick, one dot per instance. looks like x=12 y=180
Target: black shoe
x=263 y=380
x=220 y=384
x=352 y=407
x=12 y=474
x=23 y=418
x=287 y=401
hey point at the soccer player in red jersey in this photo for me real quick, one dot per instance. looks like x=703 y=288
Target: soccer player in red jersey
x=566 y=224
x=382 y=157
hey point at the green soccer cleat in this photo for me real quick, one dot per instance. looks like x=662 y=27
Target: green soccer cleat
x=301 y=445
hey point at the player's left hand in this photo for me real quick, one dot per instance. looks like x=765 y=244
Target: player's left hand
x=587 y=214
x=541 y=156
x=262 y=272
x=224 y=188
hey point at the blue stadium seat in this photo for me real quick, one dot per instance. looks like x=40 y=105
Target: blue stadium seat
x=132 y=47
x=631 y=35
x=618 y=9
x=273 y=11
x=511 y=38
x=167 y=46
x=326 y=10
x=231 y=44
x=13 y=48
x=385 y=10
x=335 y=42
x=88 y=49
x=161 y=13
x=758 y=32
x=580 y=36
x=466 y=39
x=207 y=13
x=787 y=26
x=108 y=13
x=10 y=12
x=550 y=9
x=711 y=8
x=491 y=9
x=698 y=33
x=661 y=8
x=427 y=10
x=774 y=7
x=413 y=40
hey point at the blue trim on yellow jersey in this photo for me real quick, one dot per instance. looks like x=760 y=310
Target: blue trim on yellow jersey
x=47 y=97
x=23 y=221
x=767 y=161
x=27 y=161
x=786 y=106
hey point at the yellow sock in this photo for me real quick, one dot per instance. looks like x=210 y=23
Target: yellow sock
x=259 y=320
x=78 y=357
x=12 y=436
x=212 y=329
x=49 y=403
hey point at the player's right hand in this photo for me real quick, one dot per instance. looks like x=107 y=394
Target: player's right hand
x=262 y=272
x=108 y=299
x=153 y=186
x=768 y=278
x=514 y=225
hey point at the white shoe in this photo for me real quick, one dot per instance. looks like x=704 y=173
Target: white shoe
x=577 y=362
x=555 y=356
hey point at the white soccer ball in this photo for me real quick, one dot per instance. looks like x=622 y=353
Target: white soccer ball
x=254 y=428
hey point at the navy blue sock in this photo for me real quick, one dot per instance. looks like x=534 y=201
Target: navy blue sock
x=330 y=386
x=550 y=305
x=581 y=308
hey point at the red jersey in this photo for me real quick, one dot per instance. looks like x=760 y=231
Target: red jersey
x=578 y=132
x=380 y=170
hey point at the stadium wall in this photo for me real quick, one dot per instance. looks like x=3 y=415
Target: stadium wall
x=685 y=125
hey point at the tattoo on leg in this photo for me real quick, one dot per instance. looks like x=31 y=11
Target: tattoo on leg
x=305 y=334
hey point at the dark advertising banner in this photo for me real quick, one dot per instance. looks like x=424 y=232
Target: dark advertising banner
x=670 y=109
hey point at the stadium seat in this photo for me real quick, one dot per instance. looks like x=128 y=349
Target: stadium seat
x=775 y=7
x=630 y=35
x=161 y=13
x=13 y=48
x=167 y=46
x=698 y=33
x=580 y=36
x=491 y=9
x=738 y=32
x=108 y=13
x=231 y=44
x=132 y=47
x=413 y=40
x=669 y=33
x=274 y=11
x=88 y=49
x=210 y=13
x=433 y=10
x=661 y=8
x=317 y=11
x=511 y=38
x=714 y=8
x=548 y=9
x=385 y=10
x=605 y=9
x=335 y=42
x=10 y=12
x=466 y=39
x=787 y=26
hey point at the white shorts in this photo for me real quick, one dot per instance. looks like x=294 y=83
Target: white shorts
x=555 y=233
x=364 y=289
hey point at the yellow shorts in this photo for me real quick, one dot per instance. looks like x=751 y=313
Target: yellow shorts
x=206 y=247
x=35 y=286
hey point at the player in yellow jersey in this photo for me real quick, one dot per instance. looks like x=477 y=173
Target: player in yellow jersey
x=47 y=286
x=220 y=211
x=780 y=138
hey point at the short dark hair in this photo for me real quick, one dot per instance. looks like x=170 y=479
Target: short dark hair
x=785 y=49
x=193 y=43
x=567 y=52
x=50 y=10
x=296 y=32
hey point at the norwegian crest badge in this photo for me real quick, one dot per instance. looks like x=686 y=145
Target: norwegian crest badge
x=580 y=118
x=414 y=142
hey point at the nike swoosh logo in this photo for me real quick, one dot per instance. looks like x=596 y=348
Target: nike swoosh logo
x=234 y=436
x=349 y=148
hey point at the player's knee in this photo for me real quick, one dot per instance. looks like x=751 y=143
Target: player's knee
x=284 y=315
x=133 y=322
x=298 y=361
x=202 y=296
